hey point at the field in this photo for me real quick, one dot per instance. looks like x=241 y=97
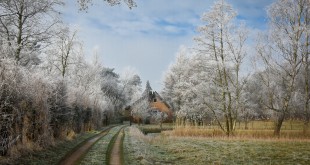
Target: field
x=256 y=129
x=196 y=146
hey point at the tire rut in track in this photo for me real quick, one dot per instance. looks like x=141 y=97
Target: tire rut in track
x=116 y=152
x=80 y=151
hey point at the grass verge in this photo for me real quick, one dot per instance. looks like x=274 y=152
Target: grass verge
x=163 y=149
x=138 y=148
x=54 y=154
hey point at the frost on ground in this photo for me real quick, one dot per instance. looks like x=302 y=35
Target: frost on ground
x=97 y=154
x=136 y=146
x=144 y=149
x=162 y=149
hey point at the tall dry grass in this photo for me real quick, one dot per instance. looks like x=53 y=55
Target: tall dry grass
x=291 y=130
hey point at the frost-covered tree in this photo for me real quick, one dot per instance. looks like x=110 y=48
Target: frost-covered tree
x=85 y=96
x=130 y=83
x=24 y=108
x=62 y=96
x=306 y=63
x=26 y=26
x=252 y=107
x=84 y=4
x=159 y=117
x=223 y=44
x=60 y=112
x=208 y=83
x=282 y=51
x=64 y=52
x=174 y=78
x=141 y=110
x=194 y=90
x=111 y=87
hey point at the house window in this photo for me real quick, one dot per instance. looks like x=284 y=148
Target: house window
x=155 y=100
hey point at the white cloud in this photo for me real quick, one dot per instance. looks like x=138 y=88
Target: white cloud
x=148 y=36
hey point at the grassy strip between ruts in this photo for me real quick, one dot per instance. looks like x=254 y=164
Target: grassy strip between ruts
x=162 y=149
x=97 y=154
x=54 y=153
x=111 y=145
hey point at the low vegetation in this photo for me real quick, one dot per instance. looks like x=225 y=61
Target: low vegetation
x=225 y=151
x=168 y=149
x=53 y=154
x=255 y=129
x=136 y=146
x=48 y=89
x=215 y=80
x=150 y=128
x=50 y=92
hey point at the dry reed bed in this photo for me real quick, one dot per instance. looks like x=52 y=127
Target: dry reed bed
x=293 y=135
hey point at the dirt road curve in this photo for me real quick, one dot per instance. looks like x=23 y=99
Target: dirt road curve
x=76 y=155
x=116 y=155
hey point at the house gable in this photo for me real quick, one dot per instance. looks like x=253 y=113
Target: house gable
x=156 y=102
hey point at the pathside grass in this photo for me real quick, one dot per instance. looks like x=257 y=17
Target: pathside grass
x=53 y=154
x=166 y=149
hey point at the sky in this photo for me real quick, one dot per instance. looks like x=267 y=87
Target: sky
x=147 y=38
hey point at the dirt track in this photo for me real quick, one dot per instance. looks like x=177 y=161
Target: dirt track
x=116 y=155
x=78 y=153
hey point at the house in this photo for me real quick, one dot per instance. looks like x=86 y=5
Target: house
x=148 y=106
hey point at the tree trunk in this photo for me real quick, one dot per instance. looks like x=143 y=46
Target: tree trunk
x=306 y=125
x=306 y=128
x=227 y=126
x=278 y=124
x=306 y=64
x=307 y=88
x=246 y=122
x=20 y=33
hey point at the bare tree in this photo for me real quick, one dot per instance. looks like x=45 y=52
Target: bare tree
x=65 y=51
x=141 y=110
x=174 y=77
x=159 y=117
x=84 y=4
x=130 y=83
x=306 y=64
x=111 y=88
x=225 y=52
x=281 y=52
x=26 y=25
